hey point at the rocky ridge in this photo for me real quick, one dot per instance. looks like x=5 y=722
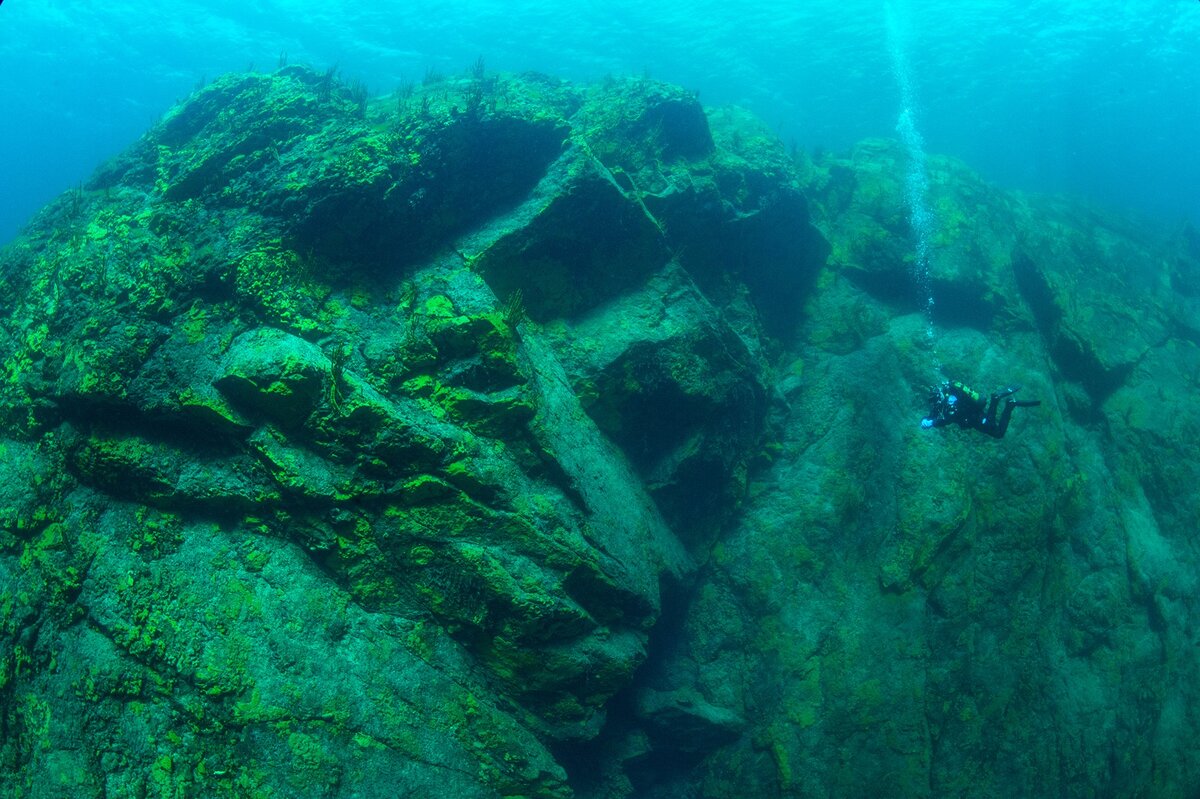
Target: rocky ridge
x=506 y=437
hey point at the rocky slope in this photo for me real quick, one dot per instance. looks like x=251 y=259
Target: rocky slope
x=511 y=438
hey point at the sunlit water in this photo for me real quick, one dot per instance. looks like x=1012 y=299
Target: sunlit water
x=916 y=179
x=1096 y=99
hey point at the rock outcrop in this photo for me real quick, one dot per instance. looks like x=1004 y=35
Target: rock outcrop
x=511 y=438
x=932 y=613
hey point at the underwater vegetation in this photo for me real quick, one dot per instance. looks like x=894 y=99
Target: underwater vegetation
x=512 y=438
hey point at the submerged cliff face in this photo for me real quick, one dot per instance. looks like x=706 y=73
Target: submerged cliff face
x=934 y=611
x=512 y=438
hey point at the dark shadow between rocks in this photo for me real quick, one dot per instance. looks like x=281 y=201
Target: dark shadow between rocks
x=958 y=305
x=772 y=249
x=1073 y=360
x=588 y=245
x=653 y=736
x=473 y=169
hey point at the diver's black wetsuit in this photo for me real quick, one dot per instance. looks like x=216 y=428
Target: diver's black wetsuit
x=955 y=403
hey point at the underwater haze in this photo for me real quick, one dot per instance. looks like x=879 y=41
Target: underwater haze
x=1094 y=99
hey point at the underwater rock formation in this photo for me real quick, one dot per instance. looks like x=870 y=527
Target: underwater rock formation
x=513 y=438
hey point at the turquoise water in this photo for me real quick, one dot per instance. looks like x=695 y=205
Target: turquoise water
x=1095 y=99
x=916 y=179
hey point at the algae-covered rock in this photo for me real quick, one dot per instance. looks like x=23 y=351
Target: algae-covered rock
x=1099 y=322
x=670 y=381
x=298 y=490
x=924 y=610
x=862 y=202
x=507 y=437
x=279 y=376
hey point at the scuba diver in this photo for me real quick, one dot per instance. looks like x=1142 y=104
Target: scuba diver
x=955 y=403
